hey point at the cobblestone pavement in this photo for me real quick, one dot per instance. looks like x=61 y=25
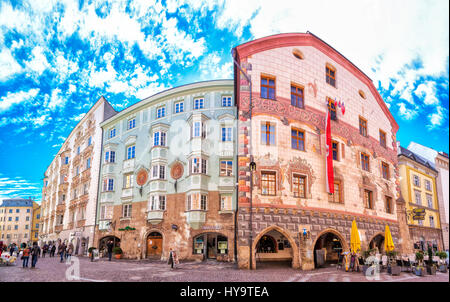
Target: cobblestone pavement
x=50 y=269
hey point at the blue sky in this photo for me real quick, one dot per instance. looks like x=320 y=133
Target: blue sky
x=58 y=57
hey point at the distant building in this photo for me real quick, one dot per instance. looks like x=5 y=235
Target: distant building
x=419 y=190
x=36 y=221
x=440 y=160
x=16 y=216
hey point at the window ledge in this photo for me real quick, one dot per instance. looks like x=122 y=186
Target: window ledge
x=124 y=218
x=226 y=212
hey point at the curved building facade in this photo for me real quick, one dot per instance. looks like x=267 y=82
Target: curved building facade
x=284 y=210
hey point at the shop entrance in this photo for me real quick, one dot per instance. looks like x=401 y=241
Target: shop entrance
x=327 y=250
x=377 y=243
x=211 y=245
x=103 y=249
x=273 y=250
x=154 y=244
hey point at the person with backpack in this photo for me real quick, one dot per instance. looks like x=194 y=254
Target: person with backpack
x=35 y=252
x=25 y=256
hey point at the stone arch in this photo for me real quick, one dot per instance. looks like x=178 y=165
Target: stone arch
x=295 y=251
x=373 y=237
x=344 y=244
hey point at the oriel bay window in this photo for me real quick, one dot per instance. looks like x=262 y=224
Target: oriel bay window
x=131 y=152
x=267 y=87
x=227 y=134
x=268 y=134
x=297 y=96
x=159 y=138
x=128 y=181
x=298 y=139
x=226 y=167
x=108 y=184
x=158 y=202
x=299 y=185
x=198 y=129
x=110 y=156
x=196 y=201
x=268 y=183
x=368 y=199
x=198 y=165
x=158 y=172
x=365 y=162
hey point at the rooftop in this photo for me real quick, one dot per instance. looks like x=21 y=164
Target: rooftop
x=17 y=202
x=417 y=158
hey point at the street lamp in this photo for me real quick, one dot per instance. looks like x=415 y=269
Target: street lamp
x=252 y=163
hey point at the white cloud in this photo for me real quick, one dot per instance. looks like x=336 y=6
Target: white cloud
x=407 y=114
x=12 y=99
x=437 y=119
x=427 y=91
x=8 y=65
x=39 y=61
x=56 y=100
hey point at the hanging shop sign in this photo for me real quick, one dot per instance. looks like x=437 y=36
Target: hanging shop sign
x=419 y=214
x=211 y=227
x=127 y=228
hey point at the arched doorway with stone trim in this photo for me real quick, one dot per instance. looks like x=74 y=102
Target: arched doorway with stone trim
x=327 y=247
x=152 y=234
x=273 y=246
x=377 y=242
x=154 y=245
x=102 y=247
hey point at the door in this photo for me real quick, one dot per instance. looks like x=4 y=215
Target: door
x=211 y=246
x=154 y=245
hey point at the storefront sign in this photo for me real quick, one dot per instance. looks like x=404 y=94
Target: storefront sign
x=418 y=214
x=419 y=217
x=211 y=227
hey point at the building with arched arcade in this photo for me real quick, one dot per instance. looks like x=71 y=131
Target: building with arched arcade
x=284 y=85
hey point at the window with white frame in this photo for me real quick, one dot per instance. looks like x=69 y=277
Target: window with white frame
x=102 y=212
x=227 y=134
x=110 y=156
x=199 y=129
x=90 y=140
x=161 y=112
x=428 y=185
x=226 y=167
x=199 y=103
x=78 y=150
x=88 y=163
x=131 y=123
x=431 y=221
x=131 y=152
x=225 y=202
x=179 y=107
x=196 y=201
x=112 y=132
x=158 y=202
x=198 y=165
x=66 y=160
x=416 y=180
x=126 y=211
x=159 y=172
x=226 y=101
x=430 y=201
x=203 y=202
x=108 y=184
x=128 y=181
x=418 y=197
x=159 y=138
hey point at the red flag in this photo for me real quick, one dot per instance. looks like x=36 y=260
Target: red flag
x=343 y=108
x=329 y=162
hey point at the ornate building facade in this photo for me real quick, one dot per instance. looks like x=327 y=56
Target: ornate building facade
x=419 y=189
x=284 y=211
x=69 y=194
x=168 y=175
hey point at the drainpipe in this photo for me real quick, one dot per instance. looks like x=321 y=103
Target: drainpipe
x=251 y=157
x=98 y=187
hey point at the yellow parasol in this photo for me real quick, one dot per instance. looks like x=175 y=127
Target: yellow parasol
x=388 y=242
x=355 y=241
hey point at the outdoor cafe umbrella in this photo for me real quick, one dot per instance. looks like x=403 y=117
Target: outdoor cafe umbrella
x=355 y=241
x=388 y=242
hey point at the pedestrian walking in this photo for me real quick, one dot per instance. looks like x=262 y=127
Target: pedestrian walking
x=44 y=250
x=62 y=251
x=53 y=250
x=12 y=249
x=69 y=251
x=110 y=246
x=35 y=252
x=173 y=259
x=25 y=256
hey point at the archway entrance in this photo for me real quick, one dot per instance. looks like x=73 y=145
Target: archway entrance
x=102 y=248
x=211 y=245
x=327 y=250
x=273 y=249
x=154 y=245
x=377 y=242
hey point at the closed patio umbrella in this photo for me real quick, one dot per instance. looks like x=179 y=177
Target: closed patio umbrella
x=388 y=242
x=355 y=241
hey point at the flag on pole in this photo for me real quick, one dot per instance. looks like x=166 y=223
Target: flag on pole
x=329 y=162
x=343 y=108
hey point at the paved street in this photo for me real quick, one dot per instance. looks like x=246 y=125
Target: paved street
x=49 y=269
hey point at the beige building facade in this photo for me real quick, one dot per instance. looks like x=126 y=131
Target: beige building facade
x=16 y=216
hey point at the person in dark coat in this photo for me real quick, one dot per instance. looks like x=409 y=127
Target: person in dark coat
x=62 y=251
x=110 y=246
x=35 y=252
x=53 y=250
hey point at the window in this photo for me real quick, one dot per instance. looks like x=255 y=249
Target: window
x=85 y=189
x=128 y=181
x=131 y=152
x=17 y=218
x=27 y=218
x=16 y=227
x=131 y=124
x=88 y=163
x=158 y=203
x=337 y=195
x=10 y=210
x=18 y=211
x=332 y=108
x=189 y=203
x=226 y=134
x=416 y=180
x=199 y=130
x=385 y=170
x=66 y=160
x=268 y=183
x=112 y=133
x=267 y=134
x=420 y=222
x=159 y=139
x=389 y=205
x=10 y=218
x=110 y=156
x=126 y=211
x=365 y=162
x=226 y=167
x=267 y=88
x=108 y=184
x=161 y=112
x=203 y=205
x=330 y=75
x=299 y=185
x=298 y=139
x=362 y=126
x=199 y=103
x=225 y=202
x=297 y=96
x=59 y=219
x=78 y=150
x=226 y=101
x=90 y=140
x=102 y=212
x=430 y=201
x=198 y=164
x=368 y=199
x=383 y=138
x=27 y=226
x=428 y=185
x=179 y=107
x=431 y=221
x=335 y=148
x=158 y=172
x=418 y=197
